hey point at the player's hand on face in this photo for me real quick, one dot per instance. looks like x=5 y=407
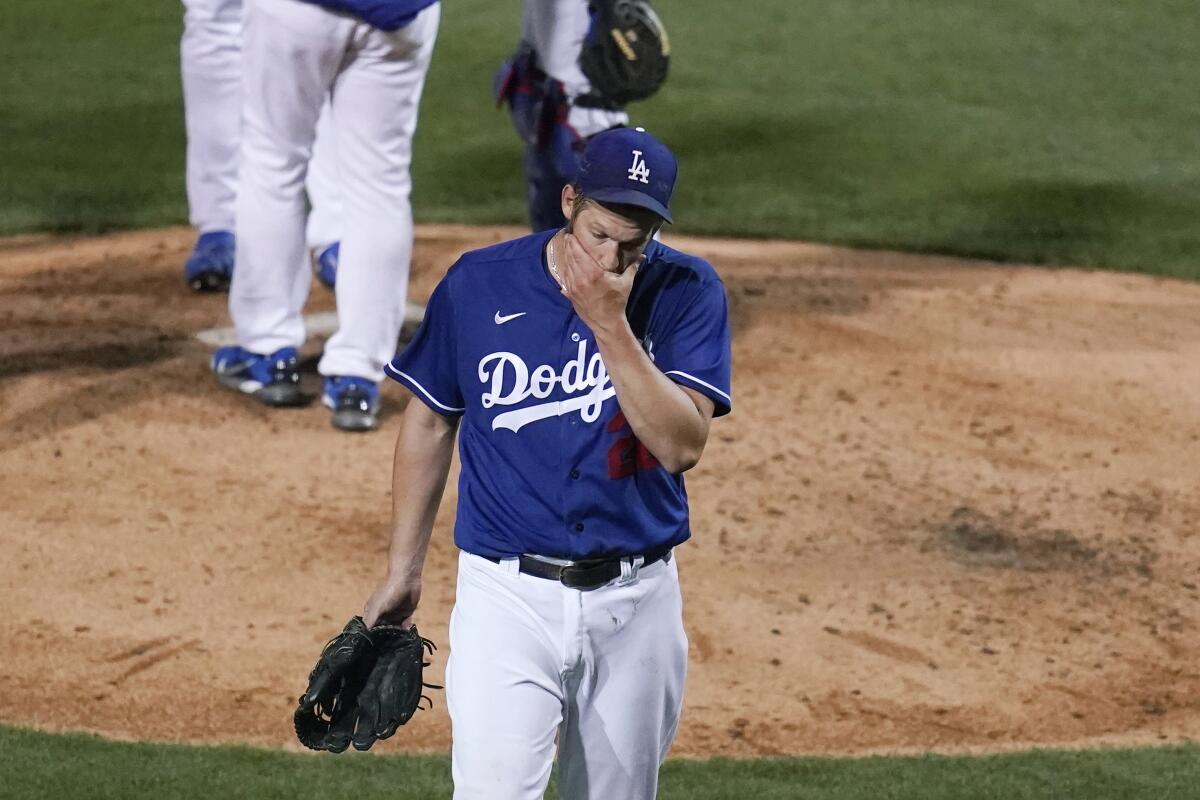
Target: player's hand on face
x=595 y=287
x=393 y=602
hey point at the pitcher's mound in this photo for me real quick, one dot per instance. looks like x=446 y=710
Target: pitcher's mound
x=955 y=507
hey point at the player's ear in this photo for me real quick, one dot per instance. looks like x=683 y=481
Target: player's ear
x=567 y=200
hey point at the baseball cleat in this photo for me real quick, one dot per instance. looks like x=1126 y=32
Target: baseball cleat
x=273 y=379
x=210 y=266
x=354 y=400
x=325 y=264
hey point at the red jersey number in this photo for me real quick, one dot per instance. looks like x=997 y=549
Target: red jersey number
x=627 y=455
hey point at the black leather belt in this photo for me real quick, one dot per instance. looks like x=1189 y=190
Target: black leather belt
x=590 y=100
x=586 y=574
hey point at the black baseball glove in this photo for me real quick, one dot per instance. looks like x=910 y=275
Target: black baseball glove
x=625 y=53
x=366 y=684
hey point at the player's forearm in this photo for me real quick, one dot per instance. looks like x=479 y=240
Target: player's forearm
x=421 y=463
x=662 y=416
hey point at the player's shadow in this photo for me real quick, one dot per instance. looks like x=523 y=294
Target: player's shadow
x=110 y=329
x=111 y=350
x=140 y=352
x=131 y=278
x=128 y=378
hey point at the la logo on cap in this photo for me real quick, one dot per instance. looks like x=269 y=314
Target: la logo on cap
x=639 y=171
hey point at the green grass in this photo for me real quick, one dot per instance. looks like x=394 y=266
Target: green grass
x=1059 y=131
x=38 y=765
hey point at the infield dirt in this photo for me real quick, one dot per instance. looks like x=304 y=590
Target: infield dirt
x=955 y=507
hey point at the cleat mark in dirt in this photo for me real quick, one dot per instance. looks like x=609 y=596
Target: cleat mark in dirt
x=153 y=660
x=887 y=648
x=140 y=649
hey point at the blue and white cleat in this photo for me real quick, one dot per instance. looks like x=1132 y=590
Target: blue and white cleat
x=210 y=266
x=325 y=264
x=354 y=400
x=273 y=379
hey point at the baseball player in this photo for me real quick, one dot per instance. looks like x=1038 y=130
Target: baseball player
x=551 y=84
x=553 y=104
x=211 y=63
x=370 y=58
x=581 y=368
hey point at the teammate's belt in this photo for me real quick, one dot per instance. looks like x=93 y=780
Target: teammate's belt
x=585 y=574
x=590 y=100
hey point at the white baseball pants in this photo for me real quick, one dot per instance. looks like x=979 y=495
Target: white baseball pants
x=210 y=57
x=531 y=660
x=324 y=225
x=211 y=63
x=295 y=55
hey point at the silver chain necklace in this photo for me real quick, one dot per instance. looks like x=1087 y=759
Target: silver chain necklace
x=554 y=267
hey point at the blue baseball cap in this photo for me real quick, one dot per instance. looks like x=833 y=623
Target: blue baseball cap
x=628 y=166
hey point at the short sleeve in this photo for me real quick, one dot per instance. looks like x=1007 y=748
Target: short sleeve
x=428 y=367
x=696 y=351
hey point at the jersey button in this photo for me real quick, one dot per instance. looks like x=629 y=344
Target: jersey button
x=574 y=474
x=579 y=527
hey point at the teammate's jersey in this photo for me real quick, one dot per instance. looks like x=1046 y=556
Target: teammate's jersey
x=388 y=15
x=549 y=465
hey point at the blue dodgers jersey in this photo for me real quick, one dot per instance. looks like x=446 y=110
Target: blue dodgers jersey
x=549 y=464
x=388 y=15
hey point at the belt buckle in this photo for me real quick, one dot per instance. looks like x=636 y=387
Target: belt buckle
x=568 y=577
x=579 y=574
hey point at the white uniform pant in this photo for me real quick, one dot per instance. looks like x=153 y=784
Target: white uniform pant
x=324 y=194
x=603 y=669
x=211 y=63
x=295 y=56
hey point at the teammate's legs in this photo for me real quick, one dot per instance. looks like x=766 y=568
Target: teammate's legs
x=503 y=681
x=210 y=60
x=324 y=186
x=624 y=704
x=375 y=102
x=291 y=54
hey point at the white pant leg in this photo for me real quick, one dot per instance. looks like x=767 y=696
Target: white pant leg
x=324 y=187
x=375 y=102
x=625 y=700
x=503 y=681
x=556 y=29
x=605 y=667
x=210 y=61
x=292 y=51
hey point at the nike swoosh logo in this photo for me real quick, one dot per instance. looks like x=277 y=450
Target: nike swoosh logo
x=501 y=320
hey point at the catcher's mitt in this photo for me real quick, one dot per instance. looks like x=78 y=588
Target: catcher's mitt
x=366 y=684
x=625 y=53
